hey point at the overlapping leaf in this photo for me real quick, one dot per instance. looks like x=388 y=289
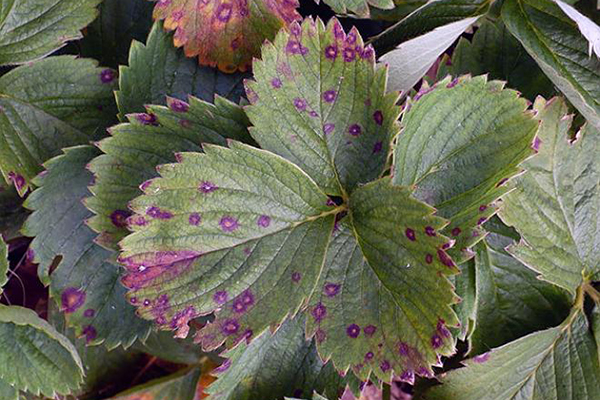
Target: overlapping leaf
x=35 y=357
x=278 y=365
x=48 y=105
x=461 y=140
x=129 y=161
x=560 y=195
x=179 y=386
x=86 y=282
x=158 y=69
x=226 y=230
x=493 y=50
x=12 y=214
x=225 y=33
x=319 y=101
x=555 y=364
x=383 y=302
x=556 y=43
x=358 y=7
x=34 y=28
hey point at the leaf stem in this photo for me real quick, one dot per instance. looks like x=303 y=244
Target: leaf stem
x=592 y=292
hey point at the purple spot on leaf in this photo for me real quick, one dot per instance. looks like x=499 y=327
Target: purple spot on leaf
x=107 y=76
x=482 y=358
x=445 y=259
x=90 y=333
x=329 y=96
x=119 y=218
x=72 y=299
x=220 y=297
x=296 y=276
x=146 y=119
x=368 y=53
x=328 y=128
x=320 y=336
x=385 y=366
x=276 y=83
x=436 y=341
x=429 y=231
x=369 y=356
x=338 y=31
x=408 y=377
x=228 y=223
x=370 y=330
x=195 y=219
x=230 y=327
x=353 y=331
x=377 y=147
x=331 y=289
x=428 y=258
x=378 y=117
x=300 y=104
x=354 y=130
x=482 y=207
x=331 y=52
x=349 y=54
x=410 y=234
x=264 y=221
x=223 y=12
x=403 y=349
x=456 y=231
x=89 y=313
x=177 y=105
x=157 y=213
x=453 y=83
x=536 y=143
x=146 y=302
x=319 y=312
x=295 y=47
x=207 y=187
x=481 y=221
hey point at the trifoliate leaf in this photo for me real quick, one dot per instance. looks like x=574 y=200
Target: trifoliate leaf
x=3 y=263
x=555 y=364
x=226 y=230
x=48 y=105
x=225 y=33
x=510 y=302
x=129 y=161
x=556 y=43
x=425 y=19
x=178 y=386
x=358 y=7
x=158 y=69
x=277 y=365
x=86 y=281
x=119 y=22
x=12 y=214
x=35 y=357
x=319 y=101
x=383 y=301
x=32 y=29
x=560 y=195
x=460 y=141
x=493 y=50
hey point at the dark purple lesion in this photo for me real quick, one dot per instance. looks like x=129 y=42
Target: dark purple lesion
x=207 y=187
x=107 y=76
x=331 y=289
x=17 y=179
x=90 y=333
x=158 y=213
x=119 y=218
x=146 y=118
x=72 y=299
x=177 y=105
x=319 y=312
x=353 y=331
x=143 y=269
x=229 y=223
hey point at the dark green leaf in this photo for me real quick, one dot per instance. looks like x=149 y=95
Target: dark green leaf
x=48 y=105
x=163 y=345
x=86 y=282
x=12 y=214
x=179 y=386
x=158 y=69
x=358 y=7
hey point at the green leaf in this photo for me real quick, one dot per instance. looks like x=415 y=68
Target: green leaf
x=12 y=214
x=119 y=22
x=560 y=197
x=129 y=161
x=226 y=230
x=35 y=357
x=178 y=386
x=466 y=289
x=493 y=50
x=277 y=365
x=163 y=345
x=3 y=263
x=425 y=19
x=460 y=141
x=86 y=281
x=412 y=59
x=158 y=69
x=32 y=29
x=319 y=101
x=555 y=364
x=358 y=7
x=383 y=299
x=7 y=392
x=559 y=48
x=402 y=8
x=511 y=302
x=48 y=105
x=225 y=34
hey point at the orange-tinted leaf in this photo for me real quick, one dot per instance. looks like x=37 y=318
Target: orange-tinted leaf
x=225 y=33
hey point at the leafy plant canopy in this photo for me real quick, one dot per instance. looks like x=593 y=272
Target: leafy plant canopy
x=280 y=199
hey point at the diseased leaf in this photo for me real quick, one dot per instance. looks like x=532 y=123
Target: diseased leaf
x=493 y=50
x=32 y=29
x=559 y=48
x=12 y=214
x=129 y=161
x=3 y=263
x=48 y=105
x=358 y=7
x=412 y=59
x=158 y=69
x=383 y=300
x=319 y=101
x=560 y=195
x=225 y=33
x=460 y=141
x=226 y=230
x=556 y=364
x=86 y=282
x=35 y=357
x=511 y=301
x=277 y=365
x=178 y=386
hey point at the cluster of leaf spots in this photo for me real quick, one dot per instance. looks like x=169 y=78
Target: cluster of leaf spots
x=225 y=33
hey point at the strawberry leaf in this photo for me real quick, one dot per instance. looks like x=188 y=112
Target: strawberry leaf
x=8 y=392
x=35 y=357
x=129 y=161
x=558 y=363
x=319 y=101
x=277 y=365
x=553 y=39
x=236 y=221
x=86 y=282
x=460 y=141
x=48 y=105
x=358 y=7
x=560 y=195
x=222 y=33
x=178 y=386
x=12 y=214
x=366 y=311
x=158 y=69
x=32 y=29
